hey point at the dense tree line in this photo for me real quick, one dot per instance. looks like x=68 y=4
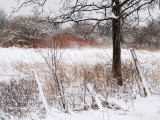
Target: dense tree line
x=28 y=28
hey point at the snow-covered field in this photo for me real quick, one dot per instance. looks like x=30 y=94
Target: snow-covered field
x=138 y=109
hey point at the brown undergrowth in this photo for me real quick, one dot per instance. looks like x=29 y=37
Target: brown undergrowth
x=63 y=41
x=144 y=42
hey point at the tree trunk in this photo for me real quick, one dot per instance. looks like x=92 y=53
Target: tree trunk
x=116 y=36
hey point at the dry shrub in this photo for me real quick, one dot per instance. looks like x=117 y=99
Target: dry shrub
x=80 y=74
x=26 y=31
x=104 y=83
x=67 y=41
x=34 y=43
x=100 y=75
x=19 y=97
x=146 y=41
x=64 y=41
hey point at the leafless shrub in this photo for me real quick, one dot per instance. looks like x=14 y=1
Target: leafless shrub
x=26 y=30
x=52 y=59
x=19 y=97
x=147 y=42
x=101 y=76
x=147 y=37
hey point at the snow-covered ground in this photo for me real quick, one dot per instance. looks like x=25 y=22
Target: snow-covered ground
x=89 y=56
x=71 y=56
x=138 y=109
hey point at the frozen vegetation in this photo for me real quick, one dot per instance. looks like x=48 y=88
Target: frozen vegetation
x=81 y=91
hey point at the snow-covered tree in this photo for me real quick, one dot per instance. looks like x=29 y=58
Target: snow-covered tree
x=27 y=29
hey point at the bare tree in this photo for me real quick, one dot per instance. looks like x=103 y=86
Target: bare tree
x=99 y=11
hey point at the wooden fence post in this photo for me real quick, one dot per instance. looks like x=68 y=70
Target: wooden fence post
x=140 y=75
x=41 y=94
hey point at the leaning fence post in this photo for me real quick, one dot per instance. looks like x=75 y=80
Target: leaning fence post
x=94 y=95
x=41 y=94
x=145 y=87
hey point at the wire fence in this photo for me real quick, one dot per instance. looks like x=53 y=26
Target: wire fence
x=20 y=96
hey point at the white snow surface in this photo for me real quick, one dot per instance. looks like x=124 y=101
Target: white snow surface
x=139 y=109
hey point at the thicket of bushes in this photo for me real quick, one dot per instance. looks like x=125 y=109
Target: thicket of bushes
x=24 y=30
x=32 y=30
x=148 y=36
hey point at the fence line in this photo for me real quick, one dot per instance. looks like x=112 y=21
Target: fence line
x=22 y=96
